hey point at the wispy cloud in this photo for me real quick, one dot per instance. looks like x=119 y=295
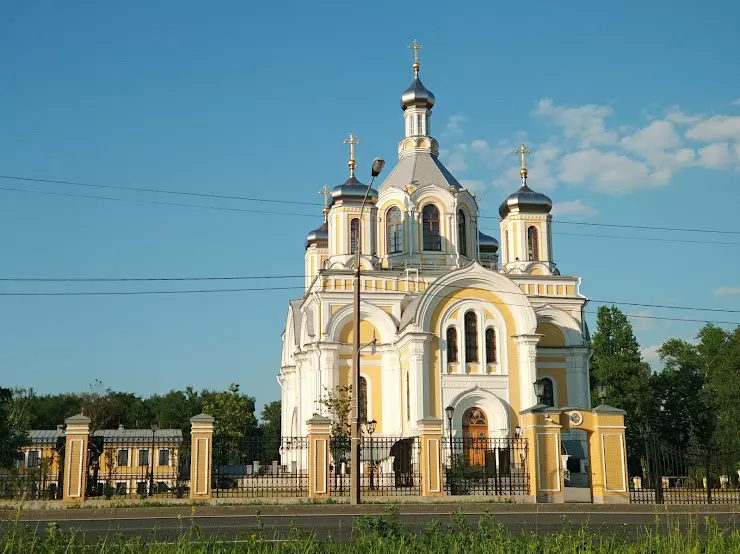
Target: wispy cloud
x=454 y=125
x=574 y=207
x=641 y=320
x=735 y=102
x=727 y=291
x=650 y=355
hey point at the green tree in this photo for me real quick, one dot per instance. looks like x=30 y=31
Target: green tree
x=233 y=411
x=337 y=403
x=270 y=420
x=11 y=438
x=617 y=365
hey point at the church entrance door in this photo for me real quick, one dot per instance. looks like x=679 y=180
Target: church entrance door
x=475 y=436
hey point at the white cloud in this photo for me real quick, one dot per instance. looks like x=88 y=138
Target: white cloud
x=454 y=125
x=481 y=146
x=609 y=171
x=716 y=156
x=455 y=161
x=652 y=141
x=474 y=185
x=716 y=128
x=735 y=102
x=650 y=355
x=584 y=124
x=675 y=115
x=574 y=207
x=727 y=291
x=641 y=320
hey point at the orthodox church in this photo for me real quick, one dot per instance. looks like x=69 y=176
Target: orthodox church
x=450 y=317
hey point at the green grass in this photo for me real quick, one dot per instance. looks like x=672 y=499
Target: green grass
x=385 y=534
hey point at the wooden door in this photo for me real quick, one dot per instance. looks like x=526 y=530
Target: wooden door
x=475 y=435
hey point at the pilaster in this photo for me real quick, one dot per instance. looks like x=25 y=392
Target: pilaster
x=201 y=456
x=319 y=437
x=608 y=457
x=430 y=458
x=77 y=436
x=541 y=428
x=527 y=345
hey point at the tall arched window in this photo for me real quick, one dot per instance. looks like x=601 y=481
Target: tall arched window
x=490 y=346
x=471 y=337
x=354 y=235
x=394 y=231
x=462 y=237
x=548 y=395
x=430 y=223
x=451 y=345
x=363 y=399
x=533 y=244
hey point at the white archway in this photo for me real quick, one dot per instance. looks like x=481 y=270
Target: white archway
x=382 y=321
x=566 y=323
x=496 y=410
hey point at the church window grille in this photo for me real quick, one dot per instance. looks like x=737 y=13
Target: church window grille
x=363 y=399
x=462 y=238
x=471 y=337
x=354 y=235
x=430 y=223
x=533 y=244
x=490 y=346
x=394 y=229
x=451 y=345
x=548 y=394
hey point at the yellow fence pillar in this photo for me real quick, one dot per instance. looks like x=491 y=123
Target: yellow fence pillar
x=319 y=438
x=75 y=458
x=430 y=458
x=541 y=427
x=201 y=456
x=608 y=454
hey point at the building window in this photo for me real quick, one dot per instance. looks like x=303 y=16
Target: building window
x=419 y=130
x=122 y=459
x=548 y=395
x=462 y=237
x=490 y=346
x=408 y=398
x=394 y=231
x=164 y=456
x=34 y=458
x=471 y=337
x=451 y=345
x=533 y=244
x=354 y=235
x=363 y=400
x=430 y=223
x=143 y=456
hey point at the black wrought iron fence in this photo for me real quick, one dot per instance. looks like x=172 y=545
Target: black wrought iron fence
x=671 y=475
x=486 y=466
x=139 y=463
x=256 y=466
x=36 y=470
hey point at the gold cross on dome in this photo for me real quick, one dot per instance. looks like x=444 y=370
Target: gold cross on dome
x=325 y=192
x=522 y=151
x=415 y=46
x=351 y=141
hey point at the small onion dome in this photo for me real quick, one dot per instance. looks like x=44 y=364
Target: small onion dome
x=417 y=95
x=353 y=191
x=526 y=200
x=319 y=237
x=487 y=244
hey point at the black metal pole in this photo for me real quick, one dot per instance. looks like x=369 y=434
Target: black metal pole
x=151 y=467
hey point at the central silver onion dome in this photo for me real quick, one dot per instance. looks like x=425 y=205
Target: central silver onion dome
x=353 y=190
x=527 y=201
x=487 y=244
x=417 y=95
x=319 y=237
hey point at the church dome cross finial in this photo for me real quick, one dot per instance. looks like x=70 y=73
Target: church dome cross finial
x=415 y=46
x=325 y=192
x=352 y=142
x=523 y=152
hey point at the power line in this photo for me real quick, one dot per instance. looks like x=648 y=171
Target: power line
x=139 y=279
x=298 y=202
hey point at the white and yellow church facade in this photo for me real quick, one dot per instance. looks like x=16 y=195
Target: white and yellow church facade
x=448 y=317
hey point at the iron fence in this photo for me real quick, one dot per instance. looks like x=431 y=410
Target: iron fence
x=35 y=471
x=486 y=466
x=256 y=466
x=139 y=463
x=389 y=466
x=671 y=475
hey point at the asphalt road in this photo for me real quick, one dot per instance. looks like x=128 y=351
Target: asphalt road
x=342 y=524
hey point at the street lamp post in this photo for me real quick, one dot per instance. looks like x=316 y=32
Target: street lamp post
x=377 y=167
x=370 y=430
x=450 y=412
x=155 y=428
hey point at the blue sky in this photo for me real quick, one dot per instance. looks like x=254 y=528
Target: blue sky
x=633 y=111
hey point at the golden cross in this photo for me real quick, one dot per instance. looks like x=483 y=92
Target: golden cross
x=325 y=192
x=351 y=141
x=415 y=46
x=523 y=152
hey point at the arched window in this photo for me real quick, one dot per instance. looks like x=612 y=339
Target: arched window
x=451 y=345
x=354 y=235
x=533 y=244
x=490 y=346
x=548 y=395
x=430 y=223
x=394 y=231
x=363 y=399
x=462 y=238
x=471 y=337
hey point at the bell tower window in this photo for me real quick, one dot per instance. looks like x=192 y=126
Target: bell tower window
x=394 y=231
x=430 y=223
x=354 y=235
x=533 y=244
x=462 y=239
x=471 y=338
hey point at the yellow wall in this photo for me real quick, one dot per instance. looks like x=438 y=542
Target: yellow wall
x=553 y=337
x=557 y=375
x=347 y=335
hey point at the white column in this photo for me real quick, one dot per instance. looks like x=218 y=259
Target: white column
x=392 y=391
x=527 y=368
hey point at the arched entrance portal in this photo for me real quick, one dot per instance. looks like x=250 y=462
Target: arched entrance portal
x=475 y=436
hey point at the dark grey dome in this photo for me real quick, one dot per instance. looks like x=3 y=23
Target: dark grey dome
x=353 y=190
x=486 y=243
x=417 y=95
x=526 y=200
x=319 y=237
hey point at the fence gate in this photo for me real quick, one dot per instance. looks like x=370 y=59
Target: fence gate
x=486 y=466
x=665 y=474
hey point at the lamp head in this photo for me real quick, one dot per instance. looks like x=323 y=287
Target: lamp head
x=371 y=426
x=517 y=431
x=449 y=411
x=155 y=427
x=539 y=389
x=378 y=165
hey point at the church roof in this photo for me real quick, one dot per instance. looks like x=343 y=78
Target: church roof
x=419 y=169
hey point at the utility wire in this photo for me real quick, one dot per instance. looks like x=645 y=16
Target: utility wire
x=138 y=279
x=280 y=201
